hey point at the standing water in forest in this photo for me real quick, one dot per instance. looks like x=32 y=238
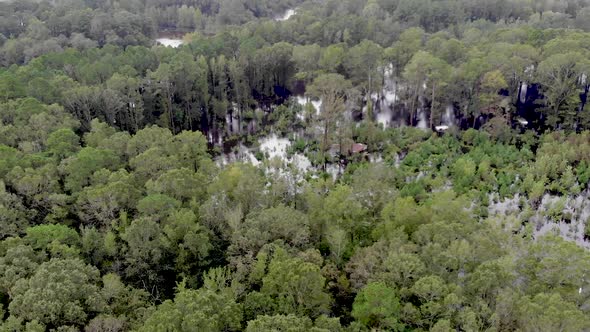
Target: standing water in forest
x=276 y=168
x=170 y=39
x=287 y=15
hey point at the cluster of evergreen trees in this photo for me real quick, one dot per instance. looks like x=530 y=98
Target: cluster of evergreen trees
x=481 y=69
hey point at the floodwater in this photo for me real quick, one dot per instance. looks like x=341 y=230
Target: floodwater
x=170 y=39
x=276 y=147
x=170 y=42
x=302 y=100
x=577 y=206
x=287 y=15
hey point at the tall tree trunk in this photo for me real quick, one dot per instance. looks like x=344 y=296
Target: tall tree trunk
x=413 y=107
x=325 y=143
x=432 y=106
x=190 y=117
x=394 y=97
x=370 y=99
x=169 y=102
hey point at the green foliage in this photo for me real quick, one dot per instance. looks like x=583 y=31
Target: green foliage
x=204 y=310
x=19 y=261
x=60 y=292
x=295 y=286
x=56 y=240
x=378 y=306
x=463 y=172
x=146 y=252
x=279 y=223
x=14 y=216
x=63 y=143
x=550 y=311
x=289 y=323
x=79 y=168
x=118 y=191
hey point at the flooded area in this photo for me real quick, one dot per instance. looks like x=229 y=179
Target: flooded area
x=168 y=42
x=561 y=216
x=170 y=39
x=287 y=15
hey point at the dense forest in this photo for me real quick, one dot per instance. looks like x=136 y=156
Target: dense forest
x=295 y=165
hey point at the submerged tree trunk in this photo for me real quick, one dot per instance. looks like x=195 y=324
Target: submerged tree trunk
x=432 y=106
x=413 y=107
